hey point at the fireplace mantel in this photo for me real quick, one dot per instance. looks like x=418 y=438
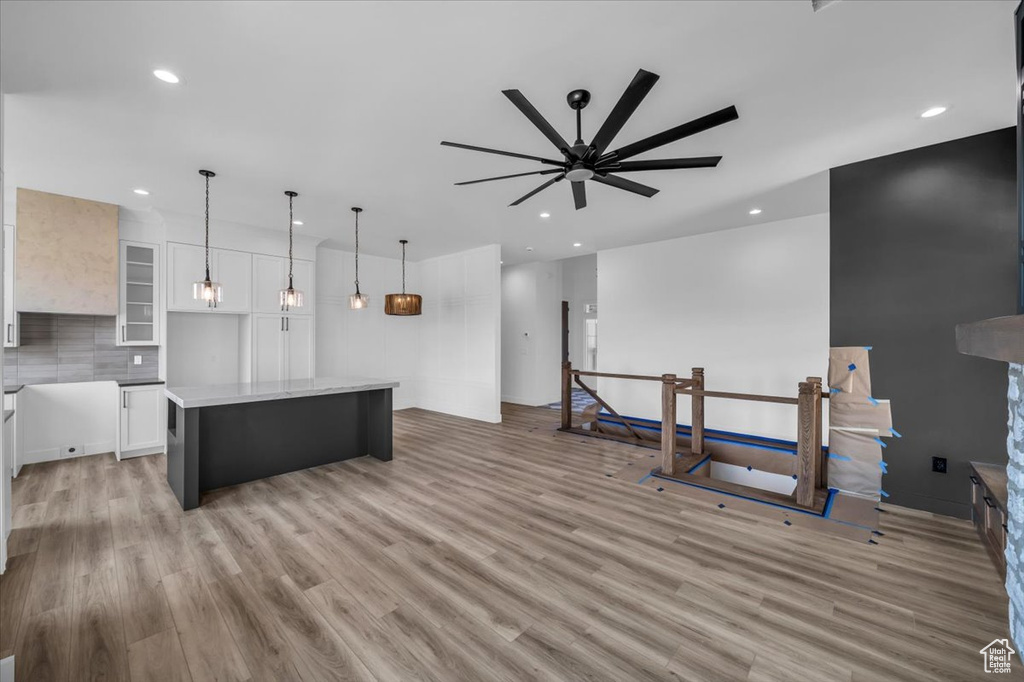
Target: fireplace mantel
x=999 y=338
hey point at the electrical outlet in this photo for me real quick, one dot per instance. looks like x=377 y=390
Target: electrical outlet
x=71 y=451
x=939 y=465
x=138 y=359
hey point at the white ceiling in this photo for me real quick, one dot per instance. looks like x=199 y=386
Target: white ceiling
x=346 y=103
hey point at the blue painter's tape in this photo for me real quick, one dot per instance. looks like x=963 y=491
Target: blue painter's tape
x=835 y=390
x=877 y=532
x=883 y=466
x=660 y=489
x=883 y=493
x=868 y=347
x=872 y=401
x=852 y=367
x=641 y=481
x=699 y=464
x=880 y=442
x=750 y=468
x=828 y=502
x=788 y=522
x=841 y=458
x=795 y=477
x=872 y=542
x=721 y=506
x=896 y=433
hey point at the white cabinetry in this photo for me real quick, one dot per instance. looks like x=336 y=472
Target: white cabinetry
x=138 y=317
x=10 y=314
x=282 y=347
x=141 y=420
x=186 y=264
x=270 y=276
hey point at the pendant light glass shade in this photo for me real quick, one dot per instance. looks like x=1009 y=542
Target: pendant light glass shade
x=357 y=301
x=206 y=289
x=290 y=297
x=403 y=303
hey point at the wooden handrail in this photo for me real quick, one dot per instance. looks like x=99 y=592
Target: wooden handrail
x=782 y=400
x=638 y=377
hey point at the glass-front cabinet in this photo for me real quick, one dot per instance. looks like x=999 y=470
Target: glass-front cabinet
x=138 y=320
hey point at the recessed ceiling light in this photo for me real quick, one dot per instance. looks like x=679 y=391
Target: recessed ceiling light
x=934 y=111
x=529 y=248
x=296 y=222
x=577 y=245
x=143 y=192
x=545 y=214
x=166 y=76
x=755 y=211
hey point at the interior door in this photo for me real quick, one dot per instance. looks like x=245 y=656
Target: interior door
x=185 y=264
x=268 y=278
x=234 y=271
x=299 y=334
x=268 y=348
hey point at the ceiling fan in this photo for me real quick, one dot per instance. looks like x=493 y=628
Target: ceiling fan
x=582 y=162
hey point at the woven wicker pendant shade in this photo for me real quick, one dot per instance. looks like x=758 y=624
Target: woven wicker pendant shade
x=403 y=303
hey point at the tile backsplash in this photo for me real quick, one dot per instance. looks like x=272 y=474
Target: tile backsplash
x=66 y=348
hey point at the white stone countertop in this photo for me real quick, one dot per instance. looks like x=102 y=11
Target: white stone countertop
x=188 y=397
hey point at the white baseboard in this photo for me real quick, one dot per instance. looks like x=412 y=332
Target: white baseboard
x=51 y=454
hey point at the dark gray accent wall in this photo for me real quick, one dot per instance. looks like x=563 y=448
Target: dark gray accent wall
x=67 y=348
x=921 y=241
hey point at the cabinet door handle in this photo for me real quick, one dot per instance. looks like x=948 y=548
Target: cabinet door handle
x=124 y=399
x=123 y=327
x=282 y=324
x=988 y=501
x=9 y=325
x=974 y=480
x=287 y=324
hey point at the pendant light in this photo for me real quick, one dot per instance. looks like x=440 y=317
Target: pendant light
x=357 y=301
x=403 y=303
x=290 y=297
x=206 y=289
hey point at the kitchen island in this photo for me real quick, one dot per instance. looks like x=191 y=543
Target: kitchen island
x=227 y=434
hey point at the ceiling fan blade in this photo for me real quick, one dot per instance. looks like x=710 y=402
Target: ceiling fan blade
x=550 y=162
x=514 y=175
x=635 y=92
x=693 y=127
x=542 y=124
x=623 y=183
x=539 y=189
x=579 y=195
x=661 y=164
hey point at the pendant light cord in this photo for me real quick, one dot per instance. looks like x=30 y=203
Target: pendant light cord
x=291 y=225
x=207 y=227
x=403 y=268
x=357 y=253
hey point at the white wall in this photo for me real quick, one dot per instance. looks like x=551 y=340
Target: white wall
x=445 y=359
x=750 y=305
x=87 y=419
x=366 y=342
x=531 y=326
x=460 y=334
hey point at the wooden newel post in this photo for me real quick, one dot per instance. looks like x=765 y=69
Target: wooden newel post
x=566 y=395
x=668 y=424
x=807 y=459
x=822 y=459
x=697 y=413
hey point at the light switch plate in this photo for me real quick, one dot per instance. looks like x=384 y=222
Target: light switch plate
x=137 y=359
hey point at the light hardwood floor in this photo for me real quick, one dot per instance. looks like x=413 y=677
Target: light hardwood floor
x=481 y=552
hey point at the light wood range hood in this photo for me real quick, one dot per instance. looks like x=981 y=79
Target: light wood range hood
x=66 y=255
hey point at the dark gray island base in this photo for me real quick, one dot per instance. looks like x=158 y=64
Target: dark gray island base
x=224 y=435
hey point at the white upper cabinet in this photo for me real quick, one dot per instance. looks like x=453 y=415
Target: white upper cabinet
x=138 y=318
x=186 y=264
x=270 y=276
x=233 y=269
x=10 y=314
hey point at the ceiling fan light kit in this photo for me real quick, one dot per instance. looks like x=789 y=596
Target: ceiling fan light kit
x=583 y=162
x=403 y=304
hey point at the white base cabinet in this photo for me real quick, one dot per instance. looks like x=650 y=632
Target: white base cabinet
x=282 y=347
x=141 y=420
